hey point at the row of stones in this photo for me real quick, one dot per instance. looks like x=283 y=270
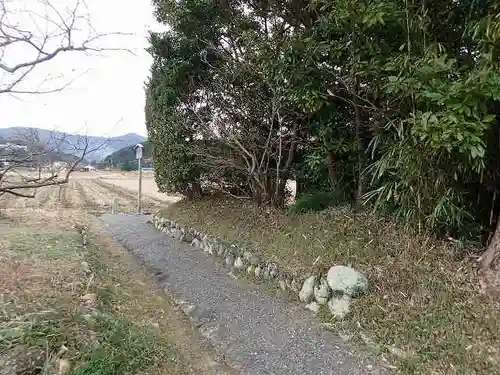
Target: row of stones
x=335 y=289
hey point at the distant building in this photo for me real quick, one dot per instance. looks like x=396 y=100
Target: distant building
x=88 y=168
x=60 y=165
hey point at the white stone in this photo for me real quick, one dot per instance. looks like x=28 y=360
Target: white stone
x=63 y=366
x=265 y=273
x=89 y=298
x=322 y=292
x=282 y=285
x=258 y=271
x=347 y=281
x=229 y=259
x=345 y=336
x=238 y=263
x=313 y=306
x=306 y=294
x=340 y=306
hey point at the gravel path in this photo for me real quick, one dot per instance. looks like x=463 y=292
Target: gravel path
x=255 y=333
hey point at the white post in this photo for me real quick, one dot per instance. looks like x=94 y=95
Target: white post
x=138 y=155
x=139 y=206
x=114 y=208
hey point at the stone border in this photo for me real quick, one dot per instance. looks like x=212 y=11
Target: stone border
x=334 y=289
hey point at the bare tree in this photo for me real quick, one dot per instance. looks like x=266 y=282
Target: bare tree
x=33 y=33
x=29 y=162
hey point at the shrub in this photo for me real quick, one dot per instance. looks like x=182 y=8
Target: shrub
x=312 y=202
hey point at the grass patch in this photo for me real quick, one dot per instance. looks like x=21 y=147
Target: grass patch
x=124 y=348
x=424 y=292
x=53 y=245
x=312 y=203
x=44 y=319
x=103 y=344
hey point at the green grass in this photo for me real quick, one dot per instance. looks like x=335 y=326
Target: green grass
x=106 y=344
x=312 y=203
x=124 y=348
x=424 y=296
x=42 y=244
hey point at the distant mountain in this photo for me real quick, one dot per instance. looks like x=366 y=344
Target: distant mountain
x=70 y=143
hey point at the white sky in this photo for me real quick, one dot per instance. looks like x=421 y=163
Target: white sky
x=107 y=97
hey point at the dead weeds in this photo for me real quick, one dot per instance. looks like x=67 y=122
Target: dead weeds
x=425 y=310
x=47 y=325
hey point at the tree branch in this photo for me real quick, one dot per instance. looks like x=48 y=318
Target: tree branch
x=48 y=33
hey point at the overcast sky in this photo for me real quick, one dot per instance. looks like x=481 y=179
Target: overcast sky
x=107 y=97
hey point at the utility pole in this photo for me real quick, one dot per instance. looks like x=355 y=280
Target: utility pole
x=138 y=155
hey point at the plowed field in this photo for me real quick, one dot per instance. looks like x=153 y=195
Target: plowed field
x=91 y=192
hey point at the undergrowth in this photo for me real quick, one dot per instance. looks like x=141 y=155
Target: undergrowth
x=124 y=348
x=424 y=297
x=312 y=203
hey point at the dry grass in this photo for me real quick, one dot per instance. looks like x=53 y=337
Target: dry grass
x=45 y=318
x=424 y=300
x=127 y=289
x=131 y=326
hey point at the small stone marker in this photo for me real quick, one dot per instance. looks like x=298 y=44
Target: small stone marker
x=114 y=207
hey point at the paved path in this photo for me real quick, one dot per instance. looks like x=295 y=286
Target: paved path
x=255 y=333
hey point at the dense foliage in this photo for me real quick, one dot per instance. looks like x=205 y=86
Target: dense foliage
x=382 y=102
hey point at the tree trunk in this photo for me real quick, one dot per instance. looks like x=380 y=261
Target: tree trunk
x=493 y=251
x=197 y=190
x=256 y=192
x=330 y=166
x=279 y=198
x=193 y=191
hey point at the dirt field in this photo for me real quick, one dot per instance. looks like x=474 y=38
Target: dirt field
x=93 y=192
x=129 y=181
